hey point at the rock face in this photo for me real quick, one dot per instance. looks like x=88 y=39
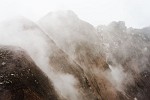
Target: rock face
x=20 y=77
x=65 y=58
x=80 y=41
x=129 y=49
x=54 y=62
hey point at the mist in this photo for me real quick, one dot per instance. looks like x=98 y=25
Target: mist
x=24 y=33
x=83 y=62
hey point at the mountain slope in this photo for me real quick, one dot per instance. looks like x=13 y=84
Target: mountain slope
x=21 y=79
x=80 y=41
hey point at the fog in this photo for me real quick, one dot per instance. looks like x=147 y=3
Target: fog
x=124 y=49
x=24 y=33
x=134 y=13
x=82 y=61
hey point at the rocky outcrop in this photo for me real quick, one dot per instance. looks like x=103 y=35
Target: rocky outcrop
x=54 y=62
x=80 y=41
x=20 y=77
x=128 y=48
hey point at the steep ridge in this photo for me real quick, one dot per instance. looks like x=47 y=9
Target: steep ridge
x=53 y=61
x=21 y=79
x=80 y=41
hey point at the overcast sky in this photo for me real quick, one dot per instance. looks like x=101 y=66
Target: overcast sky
x=135 y=13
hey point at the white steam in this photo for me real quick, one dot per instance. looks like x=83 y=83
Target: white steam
x=23 y=33
x=112 y=55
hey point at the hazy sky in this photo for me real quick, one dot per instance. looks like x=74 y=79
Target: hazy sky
x=135 y=13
